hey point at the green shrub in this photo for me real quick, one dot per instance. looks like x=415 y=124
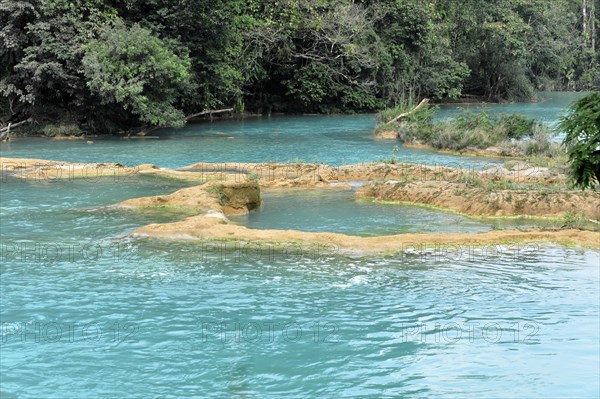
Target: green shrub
x=422 y=115
x=136 y=69
x=480 y=131
x=582 y=127
x=393 y=159
x=468 y=120
x=386 y=115
x=517 y=126
x=409 y=132
x=217 y=191
x=514 y=134
x=450 y=137
x=540 y=143
x=253 y=176
x=572 y=220
x=64 y=129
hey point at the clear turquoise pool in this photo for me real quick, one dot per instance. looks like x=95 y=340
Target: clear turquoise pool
x=341 y=212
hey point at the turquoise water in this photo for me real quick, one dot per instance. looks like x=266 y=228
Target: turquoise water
x=63 y=210
x=87 y=312
x=336 y=140
x=340 y=212
x=548 y=108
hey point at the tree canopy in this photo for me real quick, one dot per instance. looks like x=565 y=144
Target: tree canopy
x=582 y=126
x=133 y=68
x=109 y=65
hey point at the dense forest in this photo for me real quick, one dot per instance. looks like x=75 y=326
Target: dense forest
x=108 y=66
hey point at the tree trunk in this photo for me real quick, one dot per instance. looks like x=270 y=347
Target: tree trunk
x=209 y=112
x=4 y=134
x=407 y=114
x=593 y=25
x=5 y=131
x=588 y=10
x=584 y=9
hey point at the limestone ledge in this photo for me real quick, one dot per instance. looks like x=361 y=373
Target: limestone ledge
x=386 y=135
x=216 y=198
x=211 y=229
x=498 y=152
x=316 y=174
x=281 y=175
x=234 y=188
x=42 y=169
x=481 y=201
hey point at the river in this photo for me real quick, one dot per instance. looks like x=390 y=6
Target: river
x=88 y=312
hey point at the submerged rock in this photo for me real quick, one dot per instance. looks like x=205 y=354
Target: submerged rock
x=387 y=135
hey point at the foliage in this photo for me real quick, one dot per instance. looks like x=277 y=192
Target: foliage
x=114 y=66
x=541 y=142
x=514 y=134
x=44 y=40
x=417 y=38
x=326 y=57
x=582 y=127
x=64 y=129
x=468 y=120
x=217 y=191
x=137 y=70
x=393 y=159
x=558 y=160
x=573 y=220
x=518 y=126
x=422 y=115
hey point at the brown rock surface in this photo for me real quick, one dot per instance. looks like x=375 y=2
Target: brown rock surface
x=214 y=229
x=227 y=197
x=386 y=135
x=480 y=201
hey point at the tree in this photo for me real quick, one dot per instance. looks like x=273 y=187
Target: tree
x=212 y=31
x=417 y=36
x=552 y=42
x=588 y=65
x=139 y=71
x=43 y=54
x=14 y=16
x=335 y=57
x=283 y=56
x=318 y=56
x=582 y=127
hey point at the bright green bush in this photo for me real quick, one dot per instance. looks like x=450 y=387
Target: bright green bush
x=468 y=120
x=477 y=130
x=517 y=126
x=582 y=127
x=135 y=69
x=65 y=129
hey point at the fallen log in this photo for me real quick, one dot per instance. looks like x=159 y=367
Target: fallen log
x=5 y=131
x=145 y=131
x=209 y=112
x=405 y=115
x=13 y=125
x=4 y=134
